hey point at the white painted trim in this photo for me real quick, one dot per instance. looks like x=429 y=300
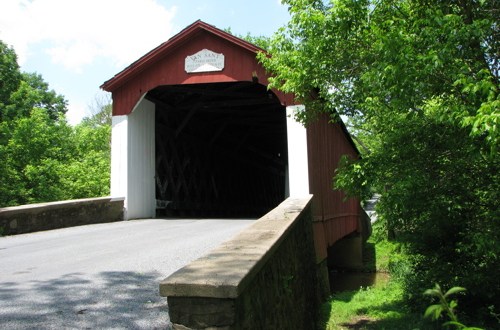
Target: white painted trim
x=298 y=169
x=119 y=158
x=133 y=160
x=141 y=161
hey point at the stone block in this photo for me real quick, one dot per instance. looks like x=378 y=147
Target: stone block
x=201 y=313
x=46 y=216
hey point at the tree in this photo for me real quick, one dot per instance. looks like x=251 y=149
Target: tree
x=34 y=136
x=34 y=92
x=42 y=158
x=100 y=111
x=88 y=174
x=10 y=76
x=37 y=152
x=420 y=80
x=260 y=41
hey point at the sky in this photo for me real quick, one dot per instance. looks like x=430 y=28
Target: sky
x=76 y=45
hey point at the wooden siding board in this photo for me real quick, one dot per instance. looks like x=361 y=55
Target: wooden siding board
x=326 y=145
x=320 y=241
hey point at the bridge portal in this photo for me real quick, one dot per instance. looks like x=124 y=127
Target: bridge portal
x=196 y=132
x=221 y=149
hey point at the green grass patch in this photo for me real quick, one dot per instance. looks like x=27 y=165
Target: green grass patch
x=380 y=306
x=376 y=307
x=383 y=252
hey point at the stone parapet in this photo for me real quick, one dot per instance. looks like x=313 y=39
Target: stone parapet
x=264 y=278
x=46 y=216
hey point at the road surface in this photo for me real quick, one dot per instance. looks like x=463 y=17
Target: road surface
x=101 y=276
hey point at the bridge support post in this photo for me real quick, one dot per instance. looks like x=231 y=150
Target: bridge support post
x=297 y=183
x=347 y=253
x=133 y=160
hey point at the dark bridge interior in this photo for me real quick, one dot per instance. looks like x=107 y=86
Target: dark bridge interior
x=221 y=149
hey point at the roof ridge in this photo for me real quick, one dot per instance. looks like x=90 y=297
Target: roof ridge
x=166 y=46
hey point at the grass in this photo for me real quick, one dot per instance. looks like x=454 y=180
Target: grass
x=376 y=307
x=379 y=306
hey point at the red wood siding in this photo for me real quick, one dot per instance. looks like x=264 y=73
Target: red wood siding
x=334 y=218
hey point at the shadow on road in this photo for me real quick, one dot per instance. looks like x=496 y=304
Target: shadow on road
x=108 y=300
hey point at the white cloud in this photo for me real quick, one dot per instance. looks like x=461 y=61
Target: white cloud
x=76 y=112
x=202 y=7
x=75 y=55
x=77 y=32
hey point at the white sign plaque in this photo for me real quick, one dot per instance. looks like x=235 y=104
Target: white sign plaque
x=204 y=61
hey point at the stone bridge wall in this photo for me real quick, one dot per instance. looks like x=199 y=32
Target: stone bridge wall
x=264 y=278
x=46 y=216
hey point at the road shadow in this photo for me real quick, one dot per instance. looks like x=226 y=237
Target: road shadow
x=115 y=299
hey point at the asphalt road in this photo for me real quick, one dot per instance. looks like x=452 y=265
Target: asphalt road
x=102 y=276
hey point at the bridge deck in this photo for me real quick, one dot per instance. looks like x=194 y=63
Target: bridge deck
x=100 y=276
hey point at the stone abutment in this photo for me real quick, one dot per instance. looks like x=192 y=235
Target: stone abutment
x=264 y=278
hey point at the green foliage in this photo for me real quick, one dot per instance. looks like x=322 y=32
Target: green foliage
x=444 y=306
x=100 y=112
x=380 y=306
x=260 y=41
x=10 y=76
x=88 y=174
x=387 y=253
x=377 y=307
x=42 y=157
x=35 y=154
x=419 y=80
x=34 y=139
x=34 y=92
x=381 y=58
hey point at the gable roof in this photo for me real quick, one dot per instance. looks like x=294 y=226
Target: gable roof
x=170 y=45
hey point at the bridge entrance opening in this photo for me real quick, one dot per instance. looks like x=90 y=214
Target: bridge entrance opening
x=221 y=149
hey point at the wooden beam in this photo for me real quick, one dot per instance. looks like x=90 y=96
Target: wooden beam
x=186 y=120
x=238 y=103
x=156 y=100
x=227 y=92
x=218 y=133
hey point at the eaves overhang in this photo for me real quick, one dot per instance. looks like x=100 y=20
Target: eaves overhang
x=173 y=43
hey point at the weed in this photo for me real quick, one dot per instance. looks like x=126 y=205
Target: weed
x=444 y=306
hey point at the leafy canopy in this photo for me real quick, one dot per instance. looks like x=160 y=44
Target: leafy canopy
x=376 y=58
x=419 y=81
x=42 y=158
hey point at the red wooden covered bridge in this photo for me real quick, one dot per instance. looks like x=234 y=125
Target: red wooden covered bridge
x=196 y=132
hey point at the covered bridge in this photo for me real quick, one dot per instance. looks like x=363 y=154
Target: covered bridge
x=196 y=132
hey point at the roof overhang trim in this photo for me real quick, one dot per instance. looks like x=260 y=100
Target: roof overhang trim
x=170 y=45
